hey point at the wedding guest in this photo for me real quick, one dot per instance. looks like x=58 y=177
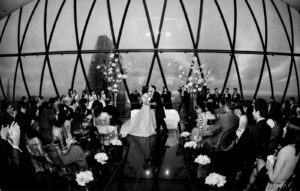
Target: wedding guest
x=272 y=173
x=240 y=111
x=7 y=113
x=186 y=97
x=209 y=96
x=226 y=96
x=166 y=98
x=216 y=96
x=60 y=150
x=235 y=96
x=134 y=98
x=253 y=142
x=197 y=131
x=222 y=134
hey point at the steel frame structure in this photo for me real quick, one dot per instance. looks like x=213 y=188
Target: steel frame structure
x=155 y=42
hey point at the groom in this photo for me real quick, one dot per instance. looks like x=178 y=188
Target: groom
x=156 y=104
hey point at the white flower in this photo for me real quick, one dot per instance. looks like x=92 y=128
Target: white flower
x=194 y=90
x=190 y=83
x=185 y=134
x=116 y=60
x=116 y=142
x=111 y=55
x=215 y=179
x=113 y=64
x=115 y=90
x=109 y=88
x=98 y=66
x=180 y=68
x=190 y=78
x=124 y=76
x=84 y=177
x=202 y=159
x=110 y=71
x=115 y=85
x=101 y=158
x=120 y=75
x=190 y=144
x=180 y=76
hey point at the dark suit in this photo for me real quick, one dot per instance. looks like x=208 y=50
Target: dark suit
x=223 y=133
x=159 y=111
x=226 y=97
x=236 y=97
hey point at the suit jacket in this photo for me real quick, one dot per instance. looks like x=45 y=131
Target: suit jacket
x=253 y=142
x=226 y=97
x=223 y=133
x=159 y=109
x=236 y=97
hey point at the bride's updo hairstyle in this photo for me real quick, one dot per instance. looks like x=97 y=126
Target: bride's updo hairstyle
x=145 y=89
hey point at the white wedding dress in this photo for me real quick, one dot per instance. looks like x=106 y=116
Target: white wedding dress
x=143 y=124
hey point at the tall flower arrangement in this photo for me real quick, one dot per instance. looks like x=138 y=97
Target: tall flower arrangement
x=195 y=81
x=114 y=72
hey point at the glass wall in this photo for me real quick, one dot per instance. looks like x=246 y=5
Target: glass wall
x=42 y=42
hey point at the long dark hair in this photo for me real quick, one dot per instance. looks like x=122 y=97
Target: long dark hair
x=145 y=89
x=292 y=135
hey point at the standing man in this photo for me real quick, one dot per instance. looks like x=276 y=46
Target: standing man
x=235 y=96
x=226 y=96
x=216 y=96
x=156 y=104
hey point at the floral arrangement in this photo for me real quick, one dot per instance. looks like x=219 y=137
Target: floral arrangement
x=197 y=78
x=116 y=142
x=101 y=158
x=190 y=144
x=112 y=71
x=202 y=159
x=84 y=177
x=215 y=179
x=185 y=134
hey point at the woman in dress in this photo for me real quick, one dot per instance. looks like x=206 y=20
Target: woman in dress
x=143 y=124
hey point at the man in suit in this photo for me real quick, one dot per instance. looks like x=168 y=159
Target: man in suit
x=293 y=112
x=156 y=104
x=235 y=96
x=216 y=96
x=226 y=96
x=223 y=134
x=209 y=96
x=254 y=141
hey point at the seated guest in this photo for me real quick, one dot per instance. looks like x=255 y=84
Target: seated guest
x=253 y=142
x=7 y=113
x=61 y=150
x=106 y=131
x=113 y=112
x=222 y=134
x=15 y=173
x=271 y=174
x=197 y=132
x=240 y=111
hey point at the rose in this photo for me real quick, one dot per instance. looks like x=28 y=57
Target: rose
x=116 y=142
x=190 y=144
x=101 y=158
x=185 y=134
x=84 y=177
x=202 y=159
x=215 y=179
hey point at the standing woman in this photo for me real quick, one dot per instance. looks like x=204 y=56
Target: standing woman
x=166 y=98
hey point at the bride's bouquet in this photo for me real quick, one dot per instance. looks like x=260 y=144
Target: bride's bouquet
x=215 y=179
x=84 y=177
x=101 y=158
x=202 y=159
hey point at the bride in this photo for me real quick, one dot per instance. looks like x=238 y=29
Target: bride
x=143 y=124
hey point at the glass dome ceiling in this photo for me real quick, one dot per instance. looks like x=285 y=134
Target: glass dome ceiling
x=47 y=47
